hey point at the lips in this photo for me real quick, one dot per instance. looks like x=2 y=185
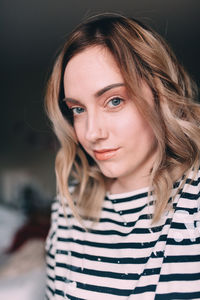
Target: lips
x=105 y=154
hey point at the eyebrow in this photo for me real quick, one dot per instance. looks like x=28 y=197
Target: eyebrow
x=107 y=88
x=98 y=93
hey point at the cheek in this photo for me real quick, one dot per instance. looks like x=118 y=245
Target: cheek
x=131 y=123
x=134 y=128
x=80 y=134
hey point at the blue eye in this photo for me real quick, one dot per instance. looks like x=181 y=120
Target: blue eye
x=77 y=110
x=115 y=102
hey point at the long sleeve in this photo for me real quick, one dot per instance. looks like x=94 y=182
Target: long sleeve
x=50 y=253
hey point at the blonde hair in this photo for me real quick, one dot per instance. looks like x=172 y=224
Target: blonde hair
x=141 y=55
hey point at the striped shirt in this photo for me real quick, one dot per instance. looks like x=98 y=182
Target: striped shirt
x=124 y=256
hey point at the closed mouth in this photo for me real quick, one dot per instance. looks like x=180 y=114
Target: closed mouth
x=105 y=154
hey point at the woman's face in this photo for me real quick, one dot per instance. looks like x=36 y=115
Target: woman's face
x=106 y=120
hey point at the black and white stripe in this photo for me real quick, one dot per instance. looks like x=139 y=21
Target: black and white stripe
x=124 y=256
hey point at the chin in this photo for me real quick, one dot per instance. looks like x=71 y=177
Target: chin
x=110 y=173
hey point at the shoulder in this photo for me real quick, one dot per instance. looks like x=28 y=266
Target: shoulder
x=189 y=196
x=186 y=217
x=57 y=208
x=192 y=184
x=54 y=209
x=53 y=226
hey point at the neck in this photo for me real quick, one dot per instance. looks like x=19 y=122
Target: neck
x=120 y=185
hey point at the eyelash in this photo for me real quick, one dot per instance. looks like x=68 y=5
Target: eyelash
x=73 y=109
x=114 y=98
x=107 y=103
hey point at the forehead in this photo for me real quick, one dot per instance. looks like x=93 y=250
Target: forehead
x=91 y=70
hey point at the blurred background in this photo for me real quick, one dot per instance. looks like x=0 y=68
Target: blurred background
x=31 y=33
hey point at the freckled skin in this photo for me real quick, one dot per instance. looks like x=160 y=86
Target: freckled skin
x=104 y=123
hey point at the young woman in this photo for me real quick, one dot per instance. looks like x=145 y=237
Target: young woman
x=126 y=222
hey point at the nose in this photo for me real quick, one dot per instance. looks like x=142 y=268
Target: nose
x=96 y=128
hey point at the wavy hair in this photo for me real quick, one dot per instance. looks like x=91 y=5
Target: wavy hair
x=141 y=55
